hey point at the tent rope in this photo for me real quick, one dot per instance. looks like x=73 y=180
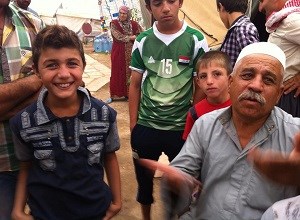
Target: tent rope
x=201 y=29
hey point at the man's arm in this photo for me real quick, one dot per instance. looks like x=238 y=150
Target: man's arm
x=21 y=193
x=292 y=84
x=134 y=97
x=114 y=181
x=18 y=94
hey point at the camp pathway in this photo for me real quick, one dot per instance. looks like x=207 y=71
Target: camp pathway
x=95 y=74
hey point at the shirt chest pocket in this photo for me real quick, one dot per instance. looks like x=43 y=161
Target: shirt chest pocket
x=46 y=159
x=94 y=153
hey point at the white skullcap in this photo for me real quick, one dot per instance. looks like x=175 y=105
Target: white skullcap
x=263 y=48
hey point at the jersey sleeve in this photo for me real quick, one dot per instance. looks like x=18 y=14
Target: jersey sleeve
x=201 y=47
x=137 y=62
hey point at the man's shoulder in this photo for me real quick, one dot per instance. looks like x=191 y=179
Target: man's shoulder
x=144 y=34
x=285 y=118
x=103 y=107
x=28 y=18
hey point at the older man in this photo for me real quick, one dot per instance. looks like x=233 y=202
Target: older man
x=283 y=24
x=217 y=147
x=18 y=88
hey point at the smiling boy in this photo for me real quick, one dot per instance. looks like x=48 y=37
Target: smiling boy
x=66 y=139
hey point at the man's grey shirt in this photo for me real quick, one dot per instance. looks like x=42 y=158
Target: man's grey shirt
x=232 y=188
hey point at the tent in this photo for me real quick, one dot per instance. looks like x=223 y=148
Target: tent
x=199 y=14
x=74 y=13
x=203 y=16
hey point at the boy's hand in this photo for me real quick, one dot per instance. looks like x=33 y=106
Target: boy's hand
x=112 y=211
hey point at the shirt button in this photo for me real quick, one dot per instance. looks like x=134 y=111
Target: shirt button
x=70 y=138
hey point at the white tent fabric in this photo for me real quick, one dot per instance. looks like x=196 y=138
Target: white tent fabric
x=74 y=13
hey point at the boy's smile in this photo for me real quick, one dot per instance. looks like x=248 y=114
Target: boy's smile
x=61 y=72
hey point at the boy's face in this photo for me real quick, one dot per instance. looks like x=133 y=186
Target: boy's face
x=165 y=11
x=61 y=72
x=213 y=80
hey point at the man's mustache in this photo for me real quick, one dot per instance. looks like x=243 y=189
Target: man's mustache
x=249 y=94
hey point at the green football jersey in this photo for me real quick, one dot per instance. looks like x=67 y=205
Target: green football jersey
x=167 y=62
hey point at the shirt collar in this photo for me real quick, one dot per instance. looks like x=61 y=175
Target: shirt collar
x=42 y=114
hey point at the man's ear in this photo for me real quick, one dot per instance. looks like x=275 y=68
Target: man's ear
x=34 y=69
x=149 y=8
x=221 y=7
x=180 y=3
x=229 y=81
x=281 y=90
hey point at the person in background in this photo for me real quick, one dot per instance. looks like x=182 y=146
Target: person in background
x=24 y=4
x=164 y=59
x=123 y=31
x=65 y=139
x=18 y=88
x=216 y=149
x=213 y=70
x=241 y=31
x=283 y=24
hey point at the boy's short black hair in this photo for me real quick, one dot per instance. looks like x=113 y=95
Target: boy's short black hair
x=55 y=36
x=233 y=5
x=215 y=55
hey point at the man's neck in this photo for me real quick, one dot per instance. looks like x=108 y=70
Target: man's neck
x=246 y=127
x=169 y=29
x=233 y=16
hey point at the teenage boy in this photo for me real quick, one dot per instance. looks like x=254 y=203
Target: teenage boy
x=163 y=58
x=213 y=70
x=65 y=139
x=241 y=31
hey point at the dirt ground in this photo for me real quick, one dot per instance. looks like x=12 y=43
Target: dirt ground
x=130 y=209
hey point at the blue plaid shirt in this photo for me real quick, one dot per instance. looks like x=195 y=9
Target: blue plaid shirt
x=241 y=33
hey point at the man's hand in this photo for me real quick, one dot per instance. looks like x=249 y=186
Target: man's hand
x=279 y=168
x=175 y=178
x=292 y=84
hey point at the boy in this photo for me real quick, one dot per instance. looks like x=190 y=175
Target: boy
x=166 y=53
x=65 y=138
x=241 y=31
x=213 y=70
